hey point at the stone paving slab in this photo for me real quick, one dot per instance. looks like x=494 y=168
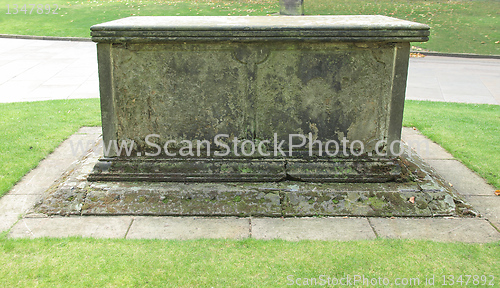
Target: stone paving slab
x=16 y=204
x=30 y=188
x=488 y=206
x=7 y=220
x=57 y=163
x=90 y=226
x=471 y=230
x=12 y=207
x=184 y=228
x=463 y=180
x=295 y=229
x=424 y=147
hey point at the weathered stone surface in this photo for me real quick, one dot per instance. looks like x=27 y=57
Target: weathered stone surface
x=345 y=28
x=345 y=170
x=189 y=170
x=246 y=170
x=163 y=199
x=74 y=195
x=375 y=203
x=292 y=7
x=181 y=199
x=167 y=81
x=62 y=201
x=198 y=91
x=238 y=199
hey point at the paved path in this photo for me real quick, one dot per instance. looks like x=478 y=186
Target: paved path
x=32 y=70
x=452 y=79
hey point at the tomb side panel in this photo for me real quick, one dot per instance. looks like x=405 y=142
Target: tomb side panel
x=180 y=92
x=400 y=77
x=108 y=113
x=331 y=90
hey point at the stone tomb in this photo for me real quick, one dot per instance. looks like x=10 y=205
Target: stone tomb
x=177 y=91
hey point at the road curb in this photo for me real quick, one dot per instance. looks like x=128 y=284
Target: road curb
x=29 y=37
x=457 y=55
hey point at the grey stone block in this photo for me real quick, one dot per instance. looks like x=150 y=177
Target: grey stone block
x=326 y=202
x=257 y=79
x=183 y=228
x=180 y=199
x=463 y=180
x=438 y=229
x=295 y=229
x=488 y=206
x=95 y=227
x=424 y=147
x=7 y=220
x=423 y=196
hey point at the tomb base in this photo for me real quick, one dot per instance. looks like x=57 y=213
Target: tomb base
x=422 y=193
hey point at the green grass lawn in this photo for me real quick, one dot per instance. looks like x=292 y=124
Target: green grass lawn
x=470 y=132
x=456 y=26
x=77 y=262
x=32 y=130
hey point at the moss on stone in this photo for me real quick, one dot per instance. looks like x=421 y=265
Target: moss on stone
x=376 y=203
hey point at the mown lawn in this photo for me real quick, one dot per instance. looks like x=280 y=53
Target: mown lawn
x=470 y=132
x=32 y=130
x=77 y=262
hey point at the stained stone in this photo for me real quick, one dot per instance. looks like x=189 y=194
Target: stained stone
x=292 y=7
x=74 y=195
x=303 y=81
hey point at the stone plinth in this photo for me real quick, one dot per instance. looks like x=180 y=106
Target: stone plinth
x=172 y=82
x=424 y=194
x=292 y=7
